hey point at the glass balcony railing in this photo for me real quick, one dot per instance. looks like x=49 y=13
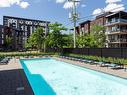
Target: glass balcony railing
x=116 y=21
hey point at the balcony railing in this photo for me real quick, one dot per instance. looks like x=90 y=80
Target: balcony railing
x=117 y=40
x=116 y=21
x=117 y=30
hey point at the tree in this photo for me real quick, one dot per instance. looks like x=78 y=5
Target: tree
x=95 y=39
x=80 y=41
x=68 y=40
x=99 y=35
x=31 y=42
x=86 y=41
x=37 y=39
x=8 y=41
x=55 y=37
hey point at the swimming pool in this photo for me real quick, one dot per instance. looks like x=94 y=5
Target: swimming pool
x=52 y=77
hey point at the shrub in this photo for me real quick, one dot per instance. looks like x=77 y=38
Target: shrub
x=104 y=59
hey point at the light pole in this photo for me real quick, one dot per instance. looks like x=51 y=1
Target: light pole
x=74 y=17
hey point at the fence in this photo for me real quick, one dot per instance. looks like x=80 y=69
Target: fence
x=103 y=52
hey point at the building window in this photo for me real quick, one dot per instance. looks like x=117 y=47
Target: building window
x=26 y=28
x=2 y=41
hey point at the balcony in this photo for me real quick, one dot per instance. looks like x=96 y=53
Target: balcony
x=116 y=21
x=117 y=31
x=115 y=41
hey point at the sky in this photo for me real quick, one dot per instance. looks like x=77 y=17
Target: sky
x=55 y=10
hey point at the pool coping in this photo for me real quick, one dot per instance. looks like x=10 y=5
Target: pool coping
x=116 y=73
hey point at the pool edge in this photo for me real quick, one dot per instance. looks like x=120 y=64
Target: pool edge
x=26 y=82
x=71 y=62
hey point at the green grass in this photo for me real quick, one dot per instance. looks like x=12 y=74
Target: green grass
x=33 y=53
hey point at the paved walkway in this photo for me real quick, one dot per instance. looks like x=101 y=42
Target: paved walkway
x=13 y=80
x=119 y=72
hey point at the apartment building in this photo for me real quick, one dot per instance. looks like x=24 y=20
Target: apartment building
x=99 y=20
x=1 y=36
x=84 y=27
x=19 y=29
x=115 y=28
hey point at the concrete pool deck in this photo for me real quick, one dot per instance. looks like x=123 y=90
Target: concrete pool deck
x=116 y=72
x=13 y=80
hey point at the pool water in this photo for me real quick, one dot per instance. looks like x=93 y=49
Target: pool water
x=52 y=77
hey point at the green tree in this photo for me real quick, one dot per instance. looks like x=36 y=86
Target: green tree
x=95 y=39
x=68 y=40
x=8 y=41
x=37 y=39
x=31 y=42
x=80 y=41
x=98 y=33
x=85 y=41
x=55 y=37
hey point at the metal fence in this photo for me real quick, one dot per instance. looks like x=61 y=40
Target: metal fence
x=103 y=52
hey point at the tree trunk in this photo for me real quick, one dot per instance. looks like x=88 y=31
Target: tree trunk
x=44 y=47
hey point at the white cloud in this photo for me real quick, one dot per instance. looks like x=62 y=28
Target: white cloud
x=9 y=3
x=4 y=3
x=13 y=1
x=60 y=1
x=24 y=4
x=68 y=5
x=97 y=11
x=113 y=1
x=114 y=7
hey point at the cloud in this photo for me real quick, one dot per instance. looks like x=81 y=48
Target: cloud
x=60 y=1
x=113 y=1
x=14 y=1
x=112 y=6
x=9 y=3
x=68 y=5
x=24 y=4
x=4 y=3
x=97 y=11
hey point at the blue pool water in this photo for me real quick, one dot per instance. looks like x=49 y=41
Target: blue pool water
x=52 y=77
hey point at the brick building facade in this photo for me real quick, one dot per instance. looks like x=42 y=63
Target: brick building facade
x=115 y=28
